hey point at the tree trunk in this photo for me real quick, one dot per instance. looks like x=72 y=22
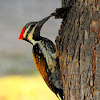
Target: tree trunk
x=78 y=47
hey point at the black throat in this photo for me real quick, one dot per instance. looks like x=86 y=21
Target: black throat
x=37 y=37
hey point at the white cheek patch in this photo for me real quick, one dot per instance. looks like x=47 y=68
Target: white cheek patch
x=25 y=33
x=30 y=35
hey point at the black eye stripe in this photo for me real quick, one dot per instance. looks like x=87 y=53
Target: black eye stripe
x=30 y=29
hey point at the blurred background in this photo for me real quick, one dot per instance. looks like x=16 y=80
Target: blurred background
x=19 y=78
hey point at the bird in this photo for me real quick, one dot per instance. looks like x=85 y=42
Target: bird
x=44 y=55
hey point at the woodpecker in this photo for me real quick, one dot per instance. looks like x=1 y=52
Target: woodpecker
x=44 y=55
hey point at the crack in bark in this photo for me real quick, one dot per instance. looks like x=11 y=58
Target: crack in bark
x=94 y=70
x=98 y=38
x=79 y=64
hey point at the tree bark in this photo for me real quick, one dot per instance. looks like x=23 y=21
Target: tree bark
x=78 y=48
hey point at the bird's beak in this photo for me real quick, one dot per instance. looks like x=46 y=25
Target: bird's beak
x=41 y=22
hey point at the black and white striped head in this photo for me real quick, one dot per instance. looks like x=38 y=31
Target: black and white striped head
x=31 y=31
x=27 y=32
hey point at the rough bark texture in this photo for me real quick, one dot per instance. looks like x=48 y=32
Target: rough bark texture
x=78 y=46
